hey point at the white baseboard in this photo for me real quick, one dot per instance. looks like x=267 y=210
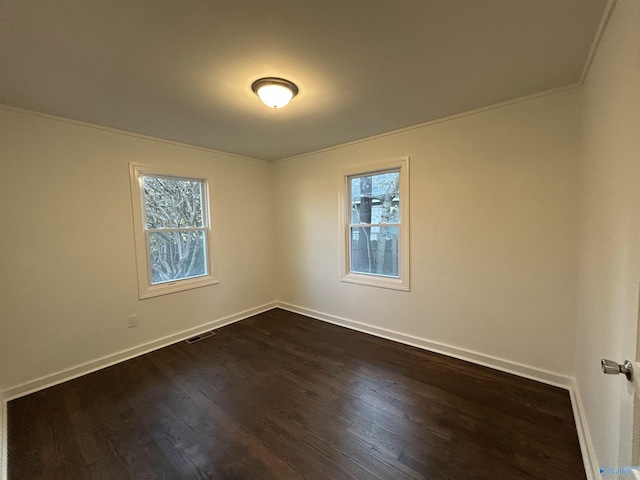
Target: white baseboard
x=108 y=360
x=591 y=465
x=551 y=378
x=4 y=446
x=100 y=363
x=526 y=371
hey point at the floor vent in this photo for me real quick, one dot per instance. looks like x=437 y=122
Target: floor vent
x=197 y=338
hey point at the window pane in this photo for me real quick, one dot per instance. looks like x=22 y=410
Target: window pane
x=172 y=203
x=376 y=198
x=177 y=255
x=374 y=250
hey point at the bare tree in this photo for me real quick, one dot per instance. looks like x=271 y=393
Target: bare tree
x=174 y=219
x=385 y=217
x=379 y=193
x=365 y=257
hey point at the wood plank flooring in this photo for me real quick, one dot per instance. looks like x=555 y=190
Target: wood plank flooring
x=281 y=396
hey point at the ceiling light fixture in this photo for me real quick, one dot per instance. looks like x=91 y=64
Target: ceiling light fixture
x=274 y=92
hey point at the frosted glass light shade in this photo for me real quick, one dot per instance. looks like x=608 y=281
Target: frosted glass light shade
x=274 y=92
x=275 y=96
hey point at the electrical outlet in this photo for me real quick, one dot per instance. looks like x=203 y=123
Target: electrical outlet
x=132 y=321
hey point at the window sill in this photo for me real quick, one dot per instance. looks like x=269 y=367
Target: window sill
x=177 y=286
x=379 y=281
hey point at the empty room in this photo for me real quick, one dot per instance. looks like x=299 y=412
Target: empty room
x=319 y=239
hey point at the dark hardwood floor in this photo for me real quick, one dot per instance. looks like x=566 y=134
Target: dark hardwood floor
x=282 y=396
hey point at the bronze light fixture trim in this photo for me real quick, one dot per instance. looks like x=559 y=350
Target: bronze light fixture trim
x=274 y=92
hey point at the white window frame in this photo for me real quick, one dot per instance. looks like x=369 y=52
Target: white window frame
x=146 y=289
x=402 y=281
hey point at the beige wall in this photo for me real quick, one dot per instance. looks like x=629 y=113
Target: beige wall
x=68 y=278
x=609 y=254
x=493 y=238
x=493 y=233
x=514 y=210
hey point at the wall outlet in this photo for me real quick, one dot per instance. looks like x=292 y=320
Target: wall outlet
x=132 y=321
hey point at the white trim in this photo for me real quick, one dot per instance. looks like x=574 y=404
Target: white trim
x=373 y=280
x=604 y=21
x=46 y=381
x=123 y=355
x=456 y=116
x=403 y=281
x=591 y=465
x=522 y=370
x=4 y=443
x=126 y=133
x=533 y=373
x=145 y=288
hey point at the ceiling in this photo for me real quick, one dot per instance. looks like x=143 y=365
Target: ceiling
x=182 y=69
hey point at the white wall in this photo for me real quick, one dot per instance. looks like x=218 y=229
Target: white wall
x=493 y=233
x=68 y=278
x=498 y=250
x=609 y=258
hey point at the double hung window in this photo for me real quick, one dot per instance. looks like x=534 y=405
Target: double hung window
x=376 y=215
x=172 y=230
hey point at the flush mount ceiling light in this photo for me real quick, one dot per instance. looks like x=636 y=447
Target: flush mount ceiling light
x=274 y=92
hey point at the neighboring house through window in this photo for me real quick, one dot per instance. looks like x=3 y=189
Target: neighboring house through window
x=172 y=229
x=376 y=225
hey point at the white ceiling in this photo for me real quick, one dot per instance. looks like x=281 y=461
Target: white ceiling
x=182 y=69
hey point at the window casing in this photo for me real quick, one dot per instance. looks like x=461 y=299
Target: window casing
x=171 y=216
x=375 y=219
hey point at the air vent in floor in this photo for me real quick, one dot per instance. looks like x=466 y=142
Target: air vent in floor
x=197 y=338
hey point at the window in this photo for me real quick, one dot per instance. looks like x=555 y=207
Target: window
x=172 y=230
x=376 y=229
